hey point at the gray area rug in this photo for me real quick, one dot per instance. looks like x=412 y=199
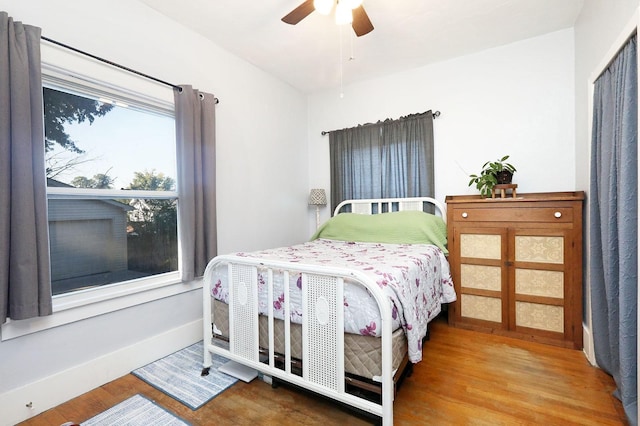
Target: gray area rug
x=135 y=411
x=178 y=375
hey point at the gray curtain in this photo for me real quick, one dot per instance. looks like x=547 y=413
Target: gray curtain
x=25 y=279
x=387 y=159
x=613 y=231
x=196 y=153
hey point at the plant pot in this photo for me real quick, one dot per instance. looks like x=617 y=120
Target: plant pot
x=504 y=176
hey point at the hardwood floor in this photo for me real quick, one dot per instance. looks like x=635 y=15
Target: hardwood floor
x=465 y=378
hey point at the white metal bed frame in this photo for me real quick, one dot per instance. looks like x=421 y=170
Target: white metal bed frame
x=322 y=326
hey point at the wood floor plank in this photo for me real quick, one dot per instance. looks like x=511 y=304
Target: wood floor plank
x=465 y=378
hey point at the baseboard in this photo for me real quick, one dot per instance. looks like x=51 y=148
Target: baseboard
x=32 y=399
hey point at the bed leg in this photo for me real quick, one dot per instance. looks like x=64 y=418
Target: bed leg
x=207 y=360
x=275 y=383
x=409 y=370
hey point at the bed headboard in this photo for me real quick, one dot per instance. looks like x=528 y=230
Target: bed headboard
x=384 y=205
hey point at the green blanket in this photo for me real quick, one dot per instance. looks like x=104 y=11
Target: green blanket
x=405 y=227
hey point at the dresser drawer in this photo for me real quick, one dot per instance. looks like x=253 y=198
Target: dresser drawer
x=525 y=214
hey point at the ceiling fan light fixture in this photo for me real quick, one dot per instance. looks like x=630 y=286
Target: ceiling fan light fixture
x=323 y=7
x=344 y=14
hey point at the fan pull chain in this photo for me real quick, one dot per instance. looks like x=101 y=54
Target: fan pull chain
x=341 y=65
x=352 y=57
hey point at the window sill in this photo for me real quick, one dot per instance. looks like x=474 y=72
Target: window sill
x=68 y=308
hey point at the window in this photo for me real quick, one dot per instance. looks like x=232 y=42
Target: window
x=111 y=171
x=111 y=190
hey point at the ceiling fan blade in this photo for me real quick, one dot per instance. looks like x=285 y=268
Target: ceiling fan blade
x=299 y=13
x=361 y=23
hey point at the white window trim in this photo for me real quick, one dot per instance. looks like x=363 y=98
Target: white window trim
x=56 y=193
x=69 y=308
x=62 y=65
x=71 y=68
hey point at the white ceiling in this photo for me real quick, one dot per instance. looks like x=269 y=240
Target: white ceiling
x=407 y=34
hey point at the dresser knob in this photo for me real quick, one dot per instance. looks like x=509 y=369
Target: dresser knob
x=557 y=214
x=465 y=214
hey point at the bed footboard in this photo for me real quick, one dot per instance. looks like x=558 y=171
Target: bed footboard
x=322 y=325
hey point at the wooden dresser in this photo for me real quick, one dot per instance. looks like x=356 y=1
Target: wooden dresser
x=517 y=265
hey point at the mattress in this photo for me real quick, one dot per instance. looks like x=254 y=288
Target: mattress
x=362 y=354
x=415 y=278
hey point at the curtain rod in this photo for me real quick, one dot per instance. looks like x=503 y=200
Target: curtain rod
x=122 y=67
x=326 y=132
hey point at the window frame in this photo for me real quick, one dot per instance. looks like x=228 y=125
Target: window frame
x=69 y=71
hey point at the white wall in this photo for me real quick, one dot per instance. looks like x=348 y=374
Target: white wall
x=261 y=127
x=515 y=99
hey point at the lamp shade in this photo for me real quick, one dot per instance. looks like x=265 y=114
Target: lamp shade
x=317 y=197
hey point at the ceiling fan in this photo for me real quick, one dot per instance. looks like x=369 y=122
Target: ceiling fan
x=347 y=11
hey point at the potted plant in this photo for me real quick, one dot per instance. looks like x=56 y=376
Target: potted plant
x=492 y=174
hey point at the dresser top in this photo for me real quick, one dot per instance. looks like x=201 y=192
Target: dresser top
x=537 y=196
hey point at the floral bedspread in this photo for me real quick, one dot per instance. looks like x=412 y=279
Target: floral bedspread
x=416 y=278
